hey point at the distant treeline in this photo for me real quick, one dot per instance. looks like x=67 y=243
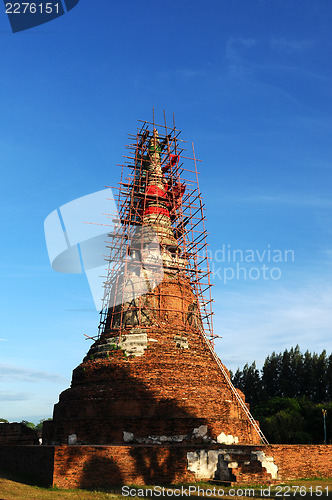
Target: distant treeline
x=288 y=395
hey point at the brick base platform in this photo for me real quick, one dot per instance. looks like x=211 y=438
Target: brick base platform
x=168 y=391
x=109 y=466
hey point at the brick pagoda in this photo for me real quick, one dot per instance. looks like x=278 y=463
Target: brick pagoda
x=152 y=376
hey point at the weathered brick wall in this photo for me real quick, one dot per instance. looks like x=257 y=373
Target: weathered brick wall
x=35 y=462
x=89 y=466
x=297 y=461
x=93 y=466
x=17 y=434
x=167 y=391
x=107 y=466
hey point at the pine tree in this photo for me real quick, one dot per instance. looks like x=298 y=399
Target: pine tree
x=271 y=375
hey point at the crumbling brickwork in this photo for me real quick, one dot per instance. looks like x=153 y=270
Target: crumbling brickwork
x=108 y=466
x=17 y=434
x=302 y=460
x=169 y=391
x=30 y=462
x=150 y=376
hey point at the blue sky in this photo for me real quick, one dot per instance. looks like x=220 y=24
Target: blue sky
x=250 y=84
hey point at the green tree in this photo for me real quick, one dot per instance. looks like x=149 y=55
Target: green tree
x=39 y=426
x=286 y=379
x=249 y=382
x=283 y=421
x=329 y=378
x=31 y=425
x=287 y=396
x=271 y=373
x=308 y=381
x=320 y=372
x=296 y=371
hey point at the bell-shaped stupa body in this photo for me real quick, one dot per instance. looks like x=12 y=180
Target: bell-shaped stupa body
x=152 y=375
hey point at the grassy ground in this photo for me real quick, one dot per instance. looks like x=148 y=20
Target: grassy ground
x=13 y=488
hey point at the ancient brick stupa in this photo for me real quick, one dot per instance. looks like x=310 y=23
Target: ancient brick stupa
x=152 y=375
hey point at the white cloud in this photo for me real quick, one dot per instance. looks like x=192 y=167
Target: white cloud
x=235 y=46
x=291 y=46
x=256 y=322
x=284 y=199
x=14 y=396
x=236 y=49
x=20 y=374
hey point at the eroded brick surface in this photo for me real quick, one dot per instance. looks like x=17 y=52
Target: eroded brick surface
x=168 y=391
x=297 y=461
x=107 y=466
x=17 y=434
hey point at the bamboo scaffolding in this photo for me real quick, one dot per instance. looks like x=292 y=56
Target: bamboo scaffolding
x=188 y=221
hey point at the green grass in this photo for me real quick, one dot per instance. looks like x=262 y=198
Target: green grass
x=13 y=487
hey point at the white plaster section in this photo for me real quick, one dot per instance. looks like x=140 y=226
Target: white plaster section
x=227 y=459
x=227 y=439
x=200 y=432
x=203 y=463
x=162 y=439
x=211 y=464
x=181 y=342
x=134 y=344
x=218 y=464
x=232 y=465
x=72 y=439
x=128 y=437
x=267 y=462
